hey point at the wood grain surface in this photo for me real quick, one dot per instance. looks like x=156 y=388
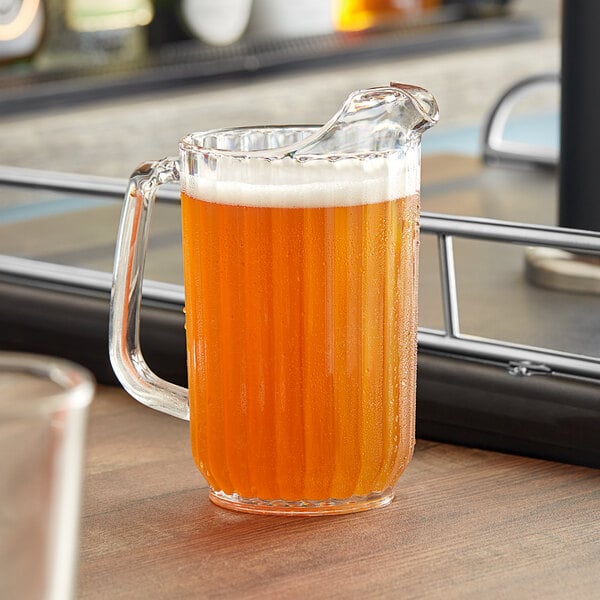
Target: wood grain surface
x=464 y=524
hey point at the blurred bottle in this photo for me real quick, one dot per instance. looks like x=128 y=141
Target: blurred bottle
x=215 y=22
x=224 y=22
x=218 y=23
x=104 y=15
x=22 y=28
x=94 y=32
x=279 y=19
x=356 y=15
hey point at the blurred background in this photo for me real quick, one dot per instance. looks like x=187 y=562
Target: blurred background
x=92 y=88
x=97 y=86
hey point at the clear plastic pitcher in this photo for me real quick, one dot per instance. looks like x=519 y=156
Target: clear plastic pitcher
x=300 y=250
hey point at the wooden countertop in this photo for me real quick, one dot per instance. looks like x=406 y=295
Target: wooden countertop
x=464 y=524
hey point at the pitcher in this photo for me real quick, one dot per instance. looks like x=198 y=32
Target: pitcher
x=300 y=249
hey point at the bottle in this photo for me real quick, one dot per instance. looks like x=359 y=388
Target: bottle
x=90 y=33
x=22 y=29
x=216 y=23
x=357 y=15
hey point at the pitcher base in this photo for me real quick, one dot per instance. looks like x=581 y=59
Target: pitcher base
x=301 y=507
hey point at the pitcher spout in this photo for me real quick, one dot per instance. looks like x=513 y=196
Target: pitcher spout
x=374 y=120
x=423 y=102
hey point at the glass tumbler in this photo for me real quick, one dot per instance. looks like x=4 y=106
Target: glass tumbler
x=43 y=406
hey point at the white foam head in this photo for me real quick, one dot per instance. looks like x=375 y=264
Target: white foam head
x=305 y=182
x=268 y=167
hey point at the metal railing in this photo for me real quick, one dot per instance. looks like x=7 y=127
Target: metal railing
x=519 y=359
x=496 y=149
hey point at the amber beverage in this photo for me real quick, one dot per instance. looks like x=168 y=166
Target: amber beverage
x=301 y=335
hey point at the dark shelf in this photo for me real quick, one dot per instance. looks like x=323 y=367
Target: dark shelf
x=192 y=63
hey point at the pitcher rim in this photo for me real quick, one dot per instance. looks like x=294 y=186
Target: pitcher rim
x=187 y=145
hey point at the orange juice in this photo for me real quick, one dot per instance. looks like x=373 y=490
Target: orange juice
x=301 y=337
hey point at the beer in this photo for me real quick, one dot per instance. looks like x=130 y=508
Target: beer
x=301 y=336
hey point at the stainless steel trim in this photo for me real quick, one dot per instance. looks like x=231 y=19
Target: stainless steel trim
x=473 y=347
x=94 y=185
x=451 y=341
x=575 y=240
x=43 y=274
x=445 y=227
x=496 y=149
x=448 y=281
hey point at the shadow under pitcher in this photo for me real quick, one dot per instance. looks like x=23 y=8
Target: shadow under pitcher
x=300 y=251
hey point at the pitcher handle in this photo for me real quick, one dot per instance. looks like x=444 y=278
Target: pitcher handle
x=126 y=297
